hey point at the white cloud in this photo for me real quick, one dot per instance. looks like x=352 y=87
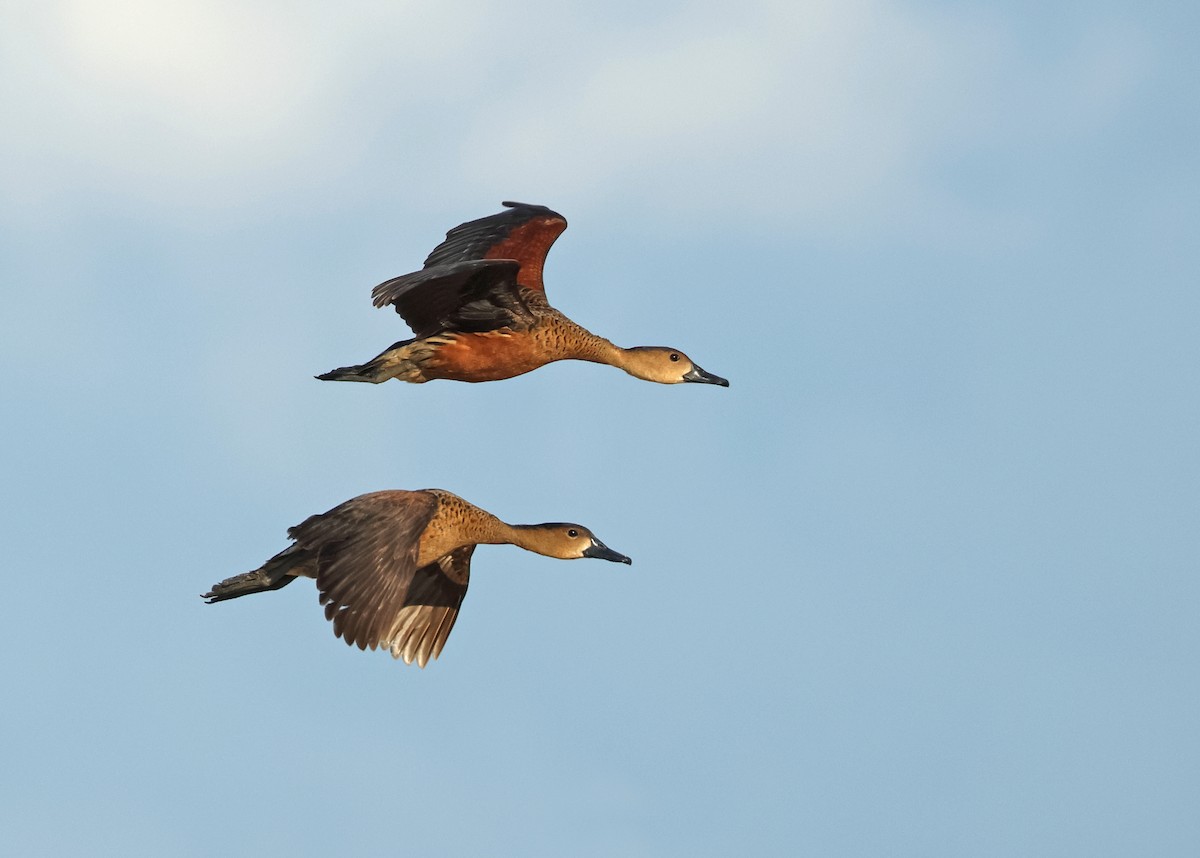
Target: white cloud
x=201 y=68
x=155 y=100
x=197 y=104
x=816 y=113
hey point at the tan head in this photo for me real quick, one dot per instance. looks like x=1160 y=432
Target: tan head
x=666 y=366
x=565 y=541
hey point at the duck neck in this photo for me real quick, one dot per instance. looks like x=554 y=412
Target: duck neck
x=460 y=523
x=600 y=350
x=578 y=343
x=489 y=530
x=531 y=537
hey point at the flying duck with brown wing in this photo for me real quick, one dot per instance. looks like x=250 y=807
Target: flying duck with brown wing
x=392 y=567
x=479 y=312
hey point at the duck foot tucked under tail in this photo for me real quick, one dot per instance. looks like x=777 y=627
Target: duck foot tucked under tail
x=277 y=572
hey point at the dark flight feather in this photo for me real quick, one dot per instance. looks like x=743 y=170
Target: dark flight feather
x=525 y=233
x=470 y=296
x=430 y=610
x=367 y=561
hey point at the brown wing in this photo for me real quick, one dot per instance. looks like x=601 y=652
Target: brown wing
x=367 y=570
x=475 y=295
x=525 y=233
x=423 y=624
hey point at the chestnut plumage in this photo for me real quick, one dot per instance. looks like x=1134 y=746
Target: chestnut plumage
x=479 y=311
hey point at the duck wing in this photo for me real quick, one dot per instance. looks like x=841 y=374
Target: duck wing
x=367 y=575
x=473 y=295
x=429 y=612
x=525 y=233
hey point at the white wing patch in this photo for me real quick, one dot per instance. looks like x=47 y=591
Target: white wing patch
x=420 y=632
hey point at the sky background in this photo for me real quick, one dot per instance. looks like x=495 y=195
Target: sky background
x=922 y=581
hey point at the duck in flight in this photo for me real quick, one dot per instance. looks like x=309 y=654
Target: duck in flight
x=392 y=567
x=479 y=312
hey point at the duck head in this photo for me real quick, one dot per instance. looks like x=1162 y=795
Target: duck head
x=567 y=542
x=666 y=366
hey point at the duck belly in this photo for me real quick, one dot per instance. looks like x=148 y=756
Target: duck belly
x=489 y=356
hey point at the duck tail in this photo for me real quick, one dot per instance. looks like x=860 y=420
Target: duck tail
x=372 y=371
x=275 y=574
x=402 y=360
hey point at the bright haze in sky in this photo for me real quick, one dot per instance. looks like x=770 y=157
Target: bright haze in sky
x=921 y=581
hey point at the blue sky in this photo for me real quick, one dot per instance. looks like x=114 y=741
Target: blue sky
x=922 y=581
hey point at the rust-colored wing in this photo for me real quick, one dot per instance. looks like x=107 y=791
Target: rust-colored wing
x=474 y=295
x=525 y=233
x=372 y=589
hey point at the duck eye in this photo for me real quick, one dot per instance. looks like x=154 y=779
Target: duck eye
x=674 y=356
x=572 y=532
